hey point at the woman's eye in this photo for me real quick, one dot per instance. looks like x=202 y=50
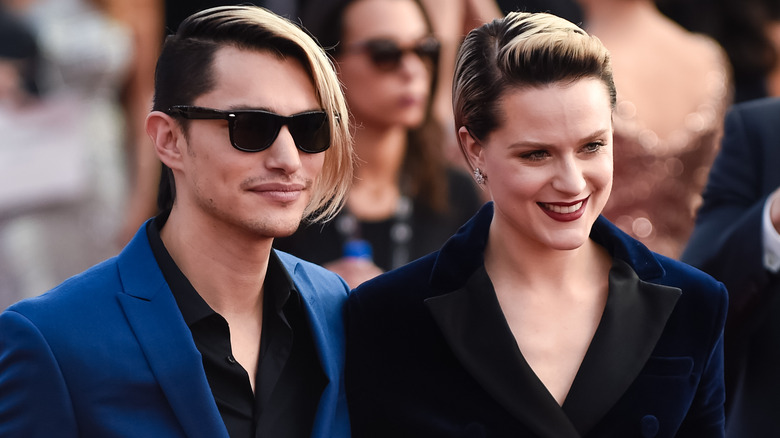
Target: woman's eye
x=534 y=155
x=593 y=147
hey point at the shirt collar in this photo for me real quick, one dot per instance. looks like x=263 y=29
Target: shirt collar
x=193 y=307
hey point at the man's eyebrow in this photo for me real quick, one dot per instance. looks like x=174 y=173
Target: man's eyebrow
x=236 y=108
x=239 y=107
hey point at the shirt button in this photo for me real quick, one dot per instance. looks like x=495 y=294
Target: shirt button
x=649 y=426
x=231 y=360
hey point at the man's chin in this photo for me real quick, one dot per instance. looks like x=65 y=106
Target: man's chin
x=277 y=228
x=284 y=229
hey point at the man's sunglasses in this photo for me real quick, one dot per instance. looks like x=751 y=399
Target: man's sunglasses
x=256 y=130
x=386 y=54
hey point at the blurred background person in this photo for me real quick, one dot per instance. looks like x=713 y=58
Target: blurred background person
x=406 y=200
x=674 y=89
x=18 y=61
x=451 y=20
x=737 y=240
x=79 y=174
x=18 y=89
x=177 y=10
x=748 y=30
x=774 y=35
x=568 y=9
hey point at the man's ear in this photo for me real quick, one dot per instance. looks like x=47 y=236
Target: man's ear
x=471 y=149
x=167 y=136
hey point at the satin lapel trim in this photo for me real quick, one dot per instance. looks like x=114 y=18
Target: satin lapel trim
x=474 y=327
x=166 y=342
x=633 y=321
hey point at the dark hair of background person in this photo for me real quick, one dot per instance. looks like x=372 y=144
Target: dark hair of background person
x=424 y=168
x=568 y=9
x=185 y=71
x=738 y=26
x=176 y=11
x=18 y=43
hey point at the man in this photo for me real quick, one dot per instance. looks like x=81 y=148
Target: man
x=737 y=240
x=198 y=328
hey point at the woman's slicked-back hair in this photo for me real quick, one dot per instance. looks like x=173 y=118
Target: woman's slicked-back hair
x=185 y=71
x=518 y=51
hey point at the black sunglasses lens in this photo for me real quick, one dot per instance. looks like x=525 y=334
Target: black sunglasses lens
x=310 y=131
x=386 y=55
x=255 y=131
x=428 y=50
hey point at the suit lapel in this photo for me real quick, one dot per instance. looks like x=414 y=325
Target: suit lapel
x=633 y=321
x=166 y=341
x=471 y=321
x=475 y=329
x=314 y=311
x=473 y=325
x=323 y=343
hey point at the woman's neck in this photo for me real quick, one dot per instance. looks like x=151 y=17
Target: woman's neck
x=376 y=190
x=380 y=152
x=511 y=261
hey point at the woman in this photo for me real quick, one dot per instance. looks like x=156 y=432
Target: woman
x=539 y=318
x=404 y=201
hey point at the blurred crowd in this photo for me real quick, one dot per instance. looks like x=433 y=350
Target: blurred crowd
x=75 y=86
x=79 y=175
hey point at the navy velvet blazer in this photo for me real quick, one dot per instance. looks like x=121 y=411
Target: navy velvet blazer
x=429 y=353
x=108 y=354
x=726 y=243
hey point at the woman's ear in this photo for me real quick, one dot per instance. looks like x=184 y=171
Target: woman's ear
x=472 y=150
x=165 y=133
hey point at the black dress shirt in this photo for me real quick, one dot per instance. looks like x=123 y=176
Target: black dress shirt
x=289 y=379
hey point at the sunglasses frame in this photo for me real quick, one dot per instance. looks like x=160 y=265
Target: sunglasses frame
x=428 y=49
x=191 y=112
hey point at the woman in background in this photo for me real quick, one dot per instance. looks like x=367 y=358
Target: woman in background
x=673 y=90
x=539 y=318
x=405 y=201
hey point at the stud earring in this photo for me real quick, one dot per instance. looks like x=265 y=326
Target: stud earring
x=479 y=177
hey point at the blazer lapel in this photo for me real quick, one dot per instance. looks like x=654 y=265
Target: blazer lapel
x=633 y=321
x=473 y=325
x=166 y=341
x=324 y=341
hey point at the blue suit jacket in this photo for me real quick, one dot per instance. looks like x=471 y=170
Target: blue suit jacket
x=726 y=243
x=429 y=353
x=107 y=354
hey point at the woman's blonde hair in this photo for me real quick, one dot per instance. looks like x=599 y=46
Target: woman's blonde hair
x=521 y=50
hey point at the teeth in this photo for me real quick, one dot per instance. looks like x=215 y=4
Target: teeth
x=563 y=209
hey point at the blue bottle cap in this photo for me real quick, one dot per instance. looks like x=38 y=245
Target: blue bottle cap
x=358 y=248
